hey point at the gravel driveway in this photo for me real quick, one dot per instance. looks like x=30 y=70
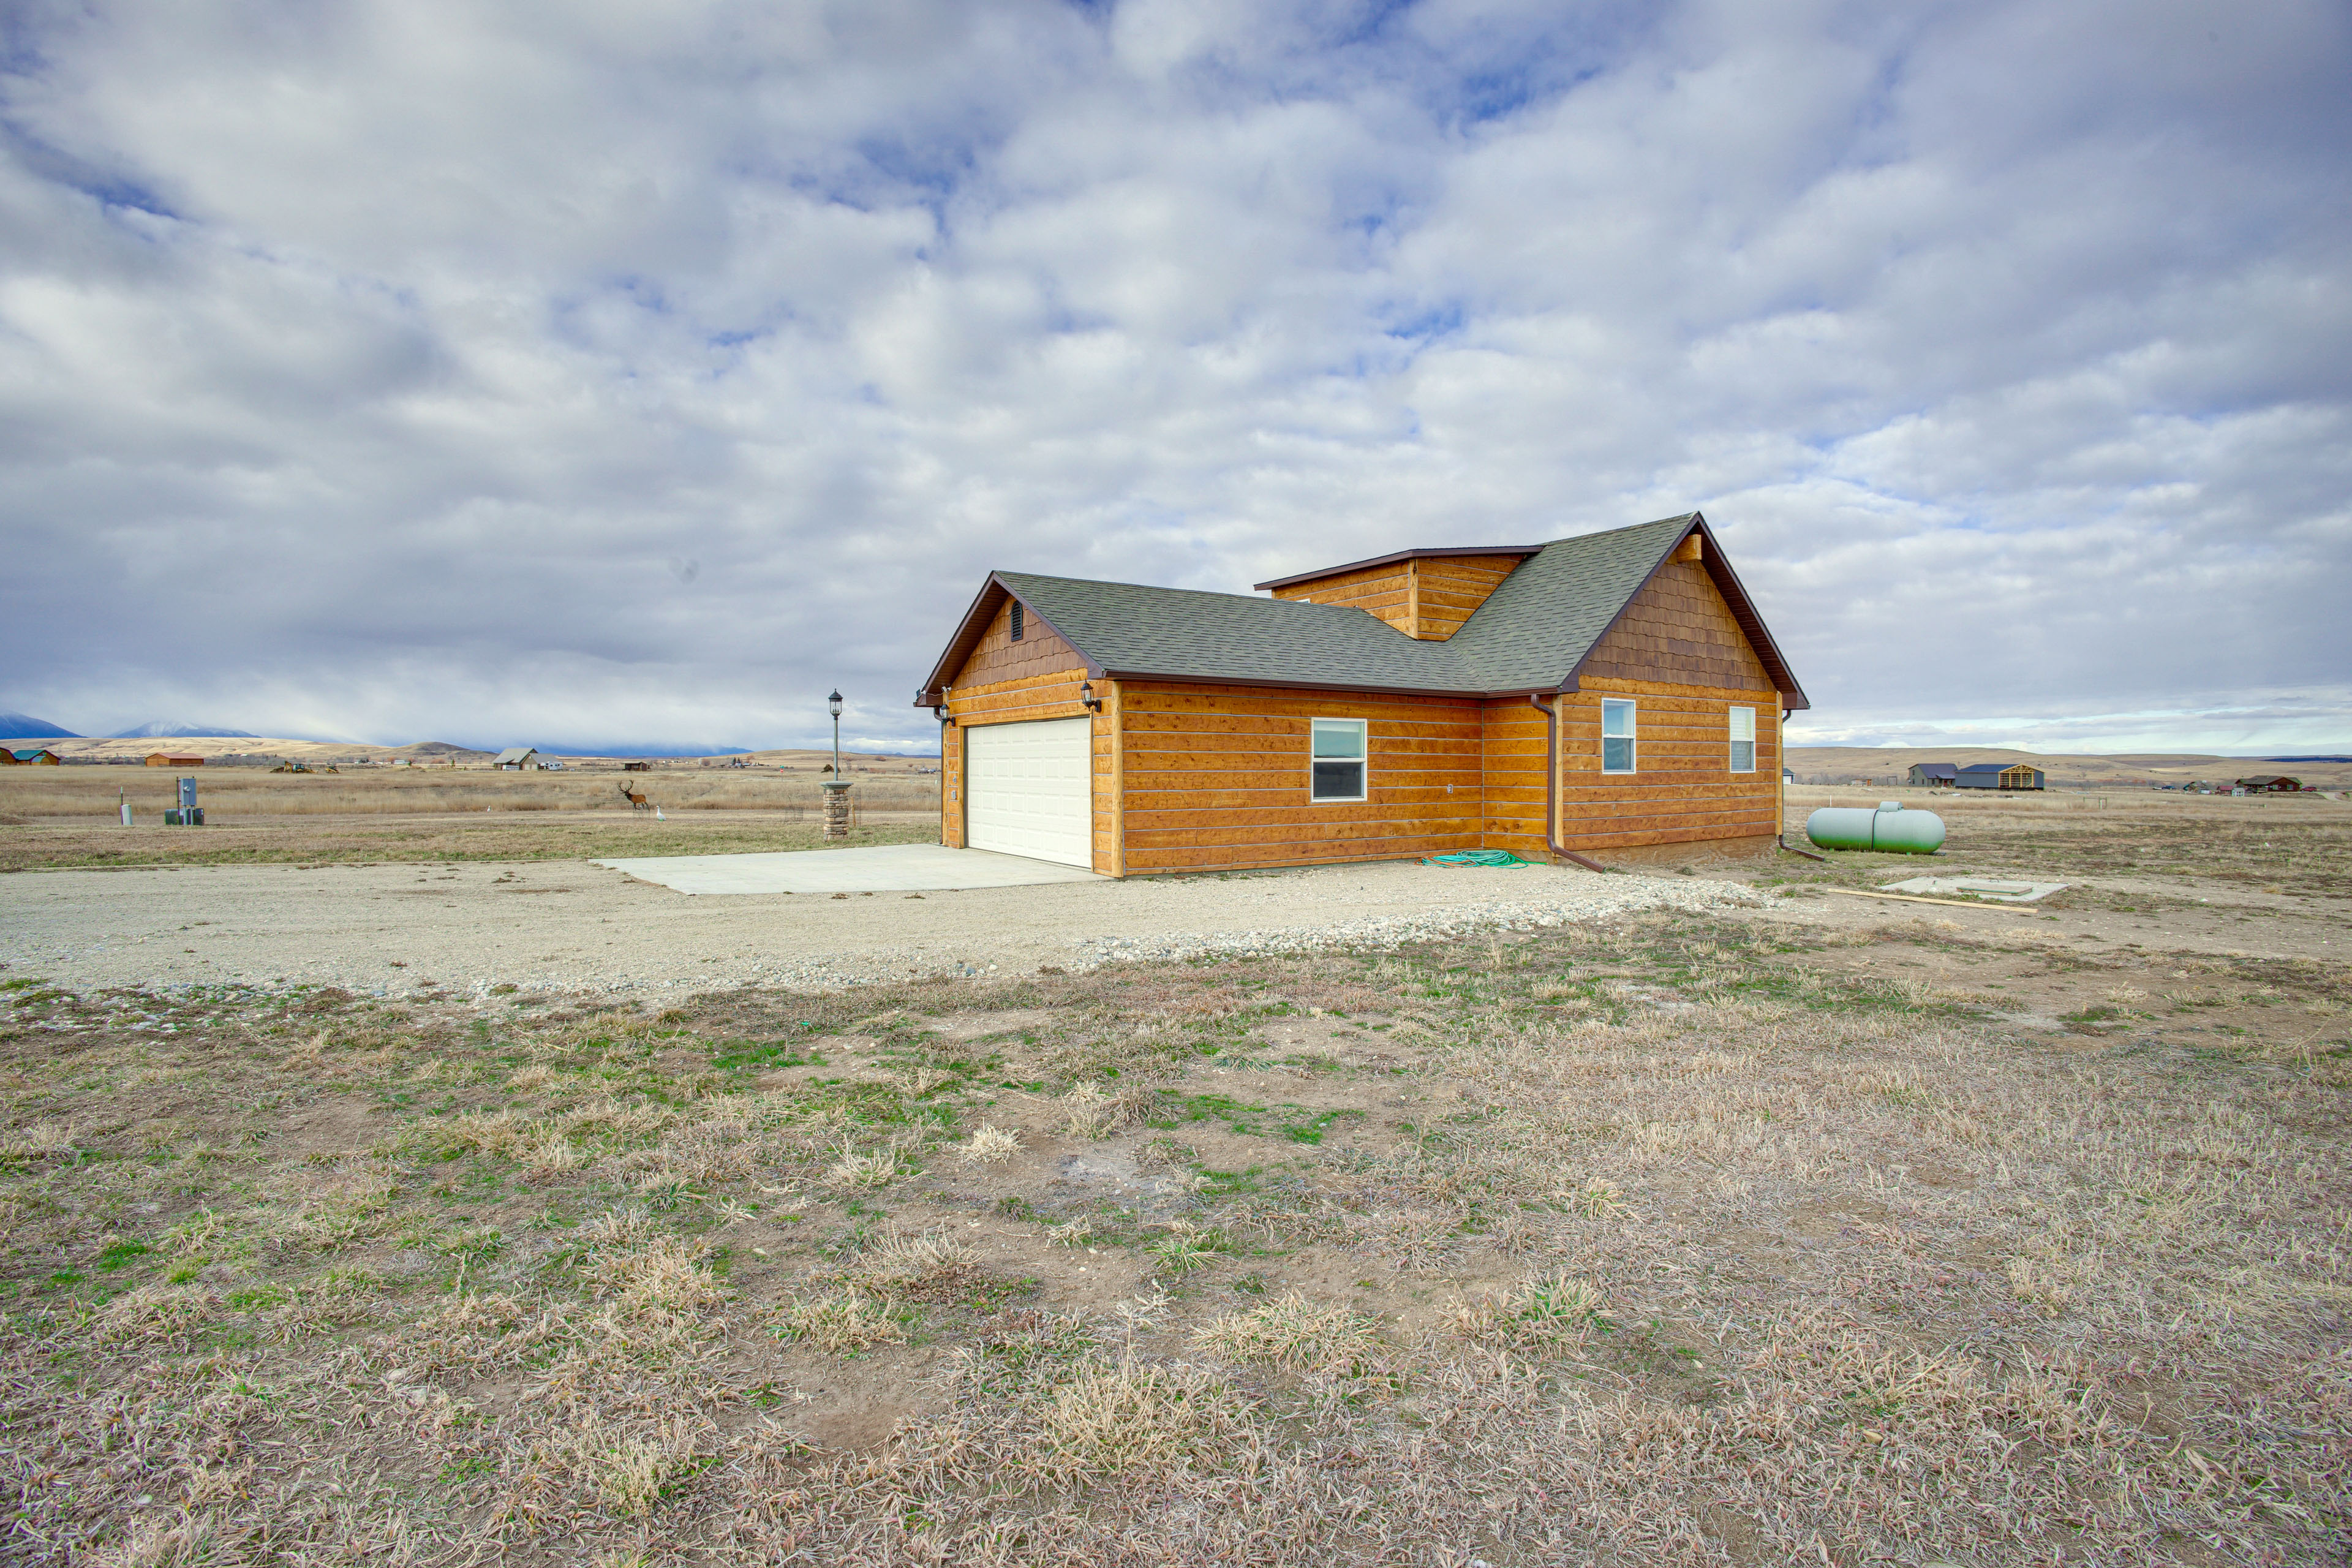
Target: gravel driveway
x=575 y=927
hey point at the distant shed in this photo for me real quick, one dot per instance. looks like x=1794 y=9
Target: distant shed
x=1998 y=775
x=1934 y=775
x=165 y=759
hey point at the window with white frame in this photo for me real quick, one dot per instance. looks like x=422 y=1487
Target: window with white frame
x=1339 y=759
x=1743 y=739
x=1616 y=735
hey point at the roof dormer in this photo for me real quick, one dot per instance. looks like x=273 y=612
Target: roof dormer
x=1427 y=595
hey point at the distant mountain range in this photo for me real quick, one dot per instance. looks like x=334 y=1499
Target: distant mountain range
x=24 y=726
x=170 y=729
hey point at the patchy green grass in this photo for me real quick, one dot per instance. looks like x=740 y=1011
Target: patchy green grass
x=1675 y=1241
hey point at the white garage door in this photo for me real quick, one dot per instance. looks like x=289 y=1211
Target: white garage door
x=1028 y=790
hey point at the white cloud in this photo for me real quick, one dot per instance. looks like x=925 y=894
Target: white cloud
x=605 y=372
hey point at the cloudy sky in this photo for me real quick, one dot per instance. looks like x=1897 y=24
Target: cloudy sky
x=585 y=373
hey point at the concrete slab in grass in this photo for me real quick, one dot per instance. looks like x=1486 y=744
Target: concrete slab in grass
x=1998 y=889
x=883 y=869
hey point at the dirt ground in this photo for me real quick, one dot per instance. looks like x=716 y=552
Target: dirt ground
x=2158 y=874
x=562 y=927
x=1832 y=1230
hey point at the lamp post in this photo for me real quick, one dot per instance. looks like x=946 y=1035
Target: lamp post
x=836 y=790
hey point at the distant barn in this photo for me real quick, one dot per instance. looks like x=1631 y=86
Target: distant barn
x=165 y=759
x=1998 y=775
x=1933 y=775
x=31 y=757
x=517 y=759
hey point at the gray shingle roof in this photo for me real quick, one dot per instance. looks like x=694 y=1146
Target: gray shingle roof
x=1529 y=635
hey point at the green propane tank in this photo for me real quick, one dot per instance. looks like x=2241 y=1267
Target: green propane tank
x=1889 y=828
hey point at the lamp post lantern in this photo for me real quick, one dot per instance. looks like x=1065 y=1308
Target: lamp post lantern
x=836 y=790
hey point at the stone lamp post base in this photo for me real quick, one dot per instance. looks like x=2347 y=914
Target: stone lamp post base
x=836 y=808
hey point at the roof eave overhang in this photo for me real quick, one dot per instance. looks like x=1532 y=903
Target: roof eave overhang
x=1395 y=556
x=969 y=630
x=1189 y=677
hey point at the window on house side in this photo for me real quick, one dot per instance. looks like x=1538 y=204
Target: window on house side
x=1017 y=627
x=1743 y=739
x=1339 y=759
x=1616 y=735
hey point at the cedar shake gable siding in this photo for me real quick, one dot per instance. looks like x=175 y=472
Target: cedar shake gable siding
x=1200 y=740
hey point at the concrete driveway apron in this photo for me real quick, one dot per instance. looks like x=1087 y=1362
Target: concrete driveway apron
x=883 y=869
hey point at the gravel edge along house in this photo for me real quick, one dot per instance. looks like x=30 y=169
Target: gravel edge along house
x=1614 y=694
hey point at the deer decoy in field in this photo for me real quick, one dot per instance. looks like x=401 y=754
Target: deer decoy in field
x=637 y=802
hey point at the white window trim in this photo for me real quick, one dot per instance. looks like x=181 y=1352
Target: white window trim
x=1633 y=740
x=1363 y=771
x=1731 y=757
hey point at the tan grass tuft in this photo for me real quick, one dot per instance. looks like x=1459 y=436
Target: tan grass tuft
x=1108 y=1419
x=1088 y=1112
x=1296 y=1335
x=990 y=1145
x=660 y=1276
x=156 y=1312
x=842 y=1323
x=862 y=1170
x=37 y=1140
x=1550 y=1312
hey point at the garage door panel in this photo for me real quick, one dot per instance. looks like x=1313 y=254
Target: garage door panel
x=1029 y=790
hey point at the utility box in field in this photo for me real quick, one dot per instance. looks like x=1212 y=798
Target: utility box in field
x=187 y=813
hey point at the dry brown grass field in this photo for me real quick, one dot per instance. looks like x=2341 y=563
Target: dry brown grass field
x=1673 y=1241
x=69 y=816
x=2298 y=845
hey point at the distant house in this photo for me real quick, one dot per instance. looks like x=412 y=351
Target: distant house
x=31 y=757
x=165 y=759
x=517 y=759
x=1934 y=775
x=1998 y=775
x=2261 y=783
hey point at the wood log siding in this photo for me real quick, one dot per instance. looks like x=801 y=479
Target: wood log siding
x=1679 y=629
x=1383 y=591
x=1684 y=789
x=1428 y=598
x=1514 y=745
x=1447 y=588
x=1215 y=777
x=1201 y=777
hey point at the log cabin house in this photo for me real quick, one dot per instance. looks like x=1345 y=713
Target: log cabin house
x=1609 y=694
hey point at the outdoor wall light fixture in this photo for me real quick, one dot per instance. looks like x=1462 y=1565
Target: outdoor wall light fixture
x=940 y=708
x=1086 y=697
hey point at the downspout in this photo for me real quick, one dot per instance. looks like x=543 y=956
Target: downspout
x=1781 y=793
x=1551 y=784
